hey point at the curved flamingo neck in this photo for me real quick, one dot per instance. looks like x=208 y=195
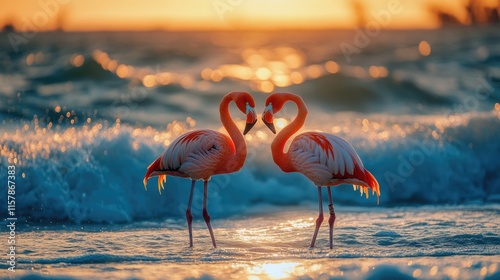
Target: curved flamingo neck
x=237 y=160
x=280 y=158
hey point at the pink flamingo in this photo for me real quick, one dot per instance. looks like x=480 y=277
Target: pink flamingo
x=202 y=153
x=323 y=158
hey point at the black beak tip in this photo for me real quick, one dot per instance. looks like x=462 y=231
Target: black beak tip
x=270 y=126
x=249 y=126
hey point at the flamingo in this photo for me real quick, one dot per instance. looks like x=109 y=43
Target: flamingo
x=325 y=159
x=200 y=154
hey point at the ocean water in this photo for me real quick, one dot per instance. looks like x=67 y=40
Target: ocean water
x=83 y=114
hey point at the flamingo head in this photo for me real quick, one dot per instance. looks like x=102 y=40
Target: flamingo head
x=274 y=103
x=245 y=103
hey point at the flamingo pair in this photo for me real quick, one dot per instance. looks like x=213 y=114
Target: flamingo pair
x=325 y=159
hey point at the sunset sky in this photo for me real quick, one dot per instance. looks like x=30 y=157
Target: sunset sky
x=91 y=15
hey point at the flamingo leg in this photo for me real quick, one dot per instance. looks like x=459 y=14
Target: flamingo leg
x=331 y=221
x=189 y=215
x=205 y=212
x=319 y=220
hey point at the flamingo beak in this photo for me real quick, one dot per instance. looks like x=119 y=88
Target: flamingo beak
x=248 y=126
x=268 y=118
x=270 y=126
x=251 y=119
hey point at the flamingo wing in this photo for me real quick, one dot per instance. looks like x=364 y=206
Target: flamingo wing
x=329 y=160
x=197 y=153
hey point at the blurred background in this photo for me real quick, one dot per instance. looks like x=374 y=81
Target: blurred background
x=126 y=15
x=93 y=91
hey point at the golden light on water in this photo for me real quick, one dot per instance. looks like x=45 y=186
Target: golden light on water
x=150 y=78
x=122 y=71
x=296 y=78
x=265 y=70
x=314 y=71
x=216 y=75
x=424 y=48
x=492 y=268
x=112 y=65
x=374 y=72
x=30 y=59
x=278 y=270
x=261 y=135
x=49 y=141
x=332 y=67
x=433 y=271
x=149 y=81
x=282 y=269
x=266 y=87
x=378 y=71
x=77 y=60
x=280 y=123
x=281 y=80
x=164 y=78
x=206 y=73
x=186 y=82
x=34 y=58
x=263 y=73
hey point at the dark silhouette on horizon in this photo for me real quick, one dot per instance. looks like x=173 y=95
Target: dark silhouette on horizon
x=8 y=27
x=360 y=13
x=478 y=13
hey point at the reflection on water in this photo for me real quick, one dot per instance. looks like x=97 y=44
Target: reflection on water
x=419 y=268
x=424 y=243
x=277 y=270
x=263 y=235
x=265 y=69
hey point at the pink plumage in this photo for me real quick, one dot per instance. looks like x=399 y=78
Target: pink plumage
x=325 y=159
x=328 y=160
x=196 y=154
x=200 y=154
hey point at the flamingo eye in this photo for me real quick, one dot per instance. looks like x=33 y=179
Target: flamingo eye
x=269 y=108
x=251 y=115
x=249 y=108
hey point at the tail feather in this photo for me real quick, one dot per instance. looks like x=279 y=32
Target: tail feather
x=161 y=180
x=373 y=184
x=155 y=166
x=368 y=182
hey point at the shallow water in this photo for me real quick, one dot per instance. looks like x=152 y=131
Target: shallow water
x=424 y=242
